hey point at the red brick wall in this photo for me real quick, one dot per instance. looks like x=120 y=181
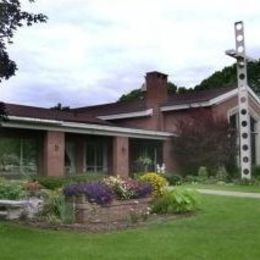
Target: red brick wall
x=121 y=156
x=53 y=153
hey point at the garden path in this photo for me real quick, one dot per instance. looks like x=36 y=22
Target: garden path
x=230 y=193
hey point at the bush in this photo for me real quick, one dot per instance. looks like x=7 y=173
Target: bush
x=256 y=172
x=203 y=174
x=53 y=183
x=95 y=192
x=128 y=189
x=191 y=179
x=32 y=187
x=173 y=179
x=178 y=200
x=55 y=209
x=11 y=190
x=222 y=174
x=158 y=183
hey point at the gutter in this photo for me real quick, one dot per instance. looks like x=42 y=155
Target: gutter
x=82 y=128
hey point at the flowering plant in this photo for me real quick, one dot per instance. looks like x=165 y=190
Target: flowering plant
x=128 y=188
x=158 y=183
x=95 y=192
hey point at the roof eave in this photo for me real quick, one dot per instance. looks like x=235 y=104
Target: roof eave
x=83 y=128
x=214 y=101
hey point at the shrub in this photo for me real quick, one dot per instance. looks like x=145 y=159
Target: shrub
x=158 y=183
x=128 y=189
x=53 y=183
x=11 y=190
x=173 y=179
x=222 y=174
x=178 y=200
x=55 y=209
x=247 y=182
x=95 y=192
x=202 y=174
x=190 y=179
x=33 y=187
x=256 y=172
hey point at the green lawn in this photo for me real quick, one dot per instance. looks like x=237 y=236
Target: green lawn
x=226 y=187
x=225 y=228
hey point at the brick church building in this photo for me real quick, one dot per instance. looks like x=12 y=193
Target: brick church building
x=111 y=138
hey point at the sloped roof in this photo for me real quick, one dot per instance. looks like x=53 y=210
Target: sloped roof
x=196 y=96
x=45 y=113
x=88 y=114
x=113 y=108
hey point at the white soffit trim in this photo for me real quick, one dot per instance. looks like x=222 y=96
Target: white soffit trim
x=253 y=94
x=147 y=112
x=184 y=106
x=214 y=101
x=219 y=99
x=73 y=127
x=34 y=120
x=235 y=110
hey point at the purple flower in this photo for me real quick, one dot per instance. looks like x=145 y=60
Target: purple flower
x=95 y=192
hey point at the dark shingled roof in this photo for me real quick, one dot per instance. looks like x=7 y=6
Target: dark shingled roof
x=88 y=114
x=196 y=96
x=45 y=113
x=113 y=108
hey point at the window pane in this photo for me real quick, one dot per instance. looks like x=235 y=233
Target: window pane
x=18 y=156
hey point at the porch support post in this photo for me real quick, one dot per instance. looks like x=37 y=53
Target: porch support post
x=168 y=156
x=53 y=153
x=121 y=156
x=80 y=155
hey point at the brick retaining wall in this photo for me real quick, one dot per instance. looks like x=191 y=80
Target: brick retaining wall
x=86 y=212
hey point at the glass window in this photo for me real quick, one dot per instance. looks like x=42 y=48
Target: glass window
x=18 y=156
x=96 y=157
x=145 y=155
x=70 y=164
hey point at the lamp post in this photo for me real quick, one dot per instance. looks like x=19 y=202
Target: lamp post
x=243 y=105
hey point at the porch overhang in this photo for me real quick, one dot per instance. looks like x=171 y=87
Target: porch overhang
x=83 y=128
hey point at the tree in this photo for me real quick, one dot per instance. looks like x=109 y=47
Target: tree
x=60 y=107
x=138 y=94
x=11 y=18
x=204 y=141
x=228 y=77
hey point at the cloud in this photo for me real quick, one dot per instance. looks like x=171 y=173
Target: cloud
x=94 y=51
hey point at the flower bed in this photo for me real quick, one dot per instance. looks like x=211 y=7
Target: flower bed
x=112 y=200
x=116 y=211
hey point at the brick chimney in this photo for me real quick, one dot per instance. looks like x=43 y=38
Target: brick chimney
x=156 y=88
x=156 y=93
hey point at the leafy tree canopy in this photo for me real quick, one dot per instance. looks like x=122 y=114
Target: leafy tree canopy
x=225 y=78
x=228 y=77
x=11 y=18
x=138 y=94
x=60 y=107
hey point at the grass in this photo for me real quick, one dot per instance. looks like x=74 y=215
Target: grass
x=225 y=187
x=225 y=228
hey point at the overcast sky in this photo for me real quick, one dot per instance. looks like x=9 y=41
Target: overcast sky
x=93 y=51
